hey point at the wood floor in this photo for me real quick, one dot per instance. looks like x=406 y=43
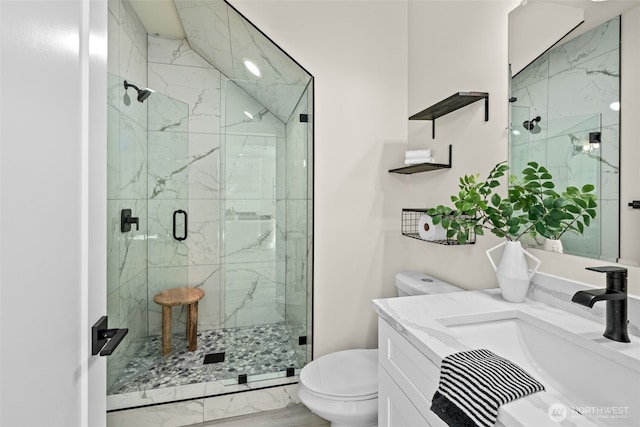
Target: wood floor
x=294 y=416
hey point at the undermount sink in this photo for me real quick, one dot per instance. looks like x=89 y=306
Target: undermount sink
x=583 y=371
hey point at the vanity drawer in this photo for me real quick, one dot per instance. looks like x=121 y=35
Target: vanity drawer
x=413 y=373
x=394 y=407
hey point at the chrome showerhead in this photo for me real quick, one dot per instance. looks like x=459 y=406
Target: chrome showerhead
x=142 y=93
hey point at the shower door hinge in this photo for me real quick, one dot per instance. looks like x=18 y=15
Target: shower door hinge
x=304 y=118
x=302 y=340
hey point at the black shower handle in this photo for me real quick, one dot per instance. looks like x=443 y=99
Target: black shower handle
x=186 y=220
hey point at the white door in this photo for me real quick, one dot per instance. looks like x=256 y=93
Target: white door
x=52 y=211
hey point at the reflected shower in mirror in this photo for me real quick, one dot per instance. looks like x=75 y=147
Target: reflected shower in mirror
x=566 y=115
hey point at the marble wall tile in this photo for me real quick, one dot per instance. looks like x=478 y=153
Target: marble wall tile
x=593 y=43
x=204 y=168
x=198 y=87
x=210 y=279
x=133 y=65
x=249 y=402
x=169 y=415
x=535 y=97
x=250 y=240
x=534 y=72
x=260 y=121
x=587 y=88
x=207 y=27
x=156 y=396
x=113 y=40
x=167 y=114
x=114 y=8
x=203 y=241
x=168 y=165
x=250 y=294
x=609 y=230
x=127 y=154
x=281 y=98
x=274 y=64
x=133 y=28
x=609 y=156
x=250 y=167
x=176 y=51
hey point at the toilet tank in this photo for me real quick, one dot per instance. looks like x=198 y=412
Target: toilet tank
x=411 y=283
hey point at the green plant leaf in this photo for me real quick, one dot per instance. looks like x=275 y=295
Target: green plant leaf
x=588 y=187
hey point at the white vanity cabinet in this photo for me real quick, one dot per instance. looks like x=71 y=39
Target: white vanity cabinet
x=407 y=380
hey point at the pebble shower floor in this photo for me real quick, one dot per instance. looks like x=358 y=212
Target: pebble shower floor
x=248 y=350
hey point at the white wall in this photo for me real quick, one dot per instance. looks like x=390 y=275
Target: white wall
x=357 y=52
x=457 y=46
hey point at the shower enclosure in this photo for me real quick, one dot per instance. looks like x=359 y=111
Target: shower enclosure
x=216 y=165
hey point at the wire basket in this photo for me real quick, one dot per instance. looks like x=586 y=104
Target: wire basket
x=410 y=228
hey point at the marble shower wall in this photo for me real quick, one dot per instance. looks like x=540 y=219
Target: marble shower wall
x=571 y=87
x=127 y=183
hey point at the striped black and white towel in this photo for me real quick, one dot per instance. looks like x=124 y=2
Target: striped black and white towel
x=473 y=384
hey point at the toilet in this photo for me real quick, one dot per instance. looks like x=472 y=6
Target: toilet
x=342 y=387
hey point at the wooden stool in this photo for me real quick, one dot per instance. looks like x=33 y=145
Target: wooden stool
x=179 y=296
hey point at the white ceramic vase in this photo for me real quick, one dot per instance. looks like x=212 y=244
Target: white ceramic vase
x=553 y=245
x=513 y=271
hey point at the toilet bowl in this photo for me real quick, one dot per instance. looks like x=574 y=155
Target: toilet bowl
x=342 y=387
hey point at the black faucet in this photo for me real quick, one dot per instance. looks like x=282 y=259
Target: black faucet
x=616 y=297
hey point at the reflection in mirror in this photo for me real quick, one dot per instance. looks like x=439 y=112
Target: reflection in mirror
x=565 y=114
x=565 y=117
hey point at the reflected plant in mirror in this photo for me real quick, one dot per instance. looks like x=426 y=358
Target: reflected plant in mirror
x=533 y=209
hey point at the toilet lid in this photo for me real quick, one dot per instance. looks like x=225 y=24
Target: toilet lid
x=346 y=374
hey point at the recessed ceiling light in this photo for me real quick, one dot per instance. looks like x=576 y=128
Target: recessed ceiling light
x=248 y=114
x=615 y=106
x=253 y=68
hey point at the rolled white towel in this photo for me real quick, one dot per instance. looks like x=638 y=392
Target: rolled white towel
x=410 y=154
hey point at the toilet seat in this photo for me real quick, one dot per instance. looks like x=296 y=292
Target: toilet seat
x=350 y=375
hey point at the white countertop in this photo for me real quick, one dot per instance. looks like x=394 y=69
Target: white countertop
x=420 y=319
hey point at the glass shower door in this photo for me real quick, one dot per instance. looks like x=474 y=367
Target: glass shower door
x=266 y=237
x=168 y=212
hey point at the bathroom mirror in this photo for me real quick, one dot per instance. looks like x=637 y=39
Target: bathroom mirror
x=566 y=93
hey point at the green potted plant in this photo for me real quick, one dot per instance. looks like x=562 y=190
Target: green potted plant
x=532 y=208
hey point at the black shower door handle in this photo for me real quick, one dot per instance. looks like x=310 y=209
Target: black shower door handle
x=186 y=220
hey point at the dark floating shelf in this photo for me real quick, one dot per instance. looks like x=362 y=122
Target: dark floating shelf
x=452 y=103
x=422 y=167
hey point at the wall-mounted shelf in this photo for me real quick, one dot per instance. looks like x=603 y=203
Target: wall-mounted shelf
x=422 y=167
x=452 y=103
